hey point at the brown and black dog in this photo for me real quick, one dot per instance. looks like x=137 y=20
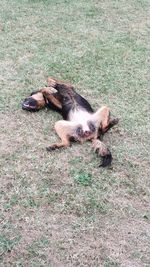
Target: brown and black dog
x=80 y=122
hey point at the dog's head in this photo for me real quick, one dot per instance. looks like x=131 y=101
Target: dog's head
x=34 y=102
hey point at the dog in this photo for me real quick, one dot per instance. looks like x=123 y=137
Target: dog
x=80 y=122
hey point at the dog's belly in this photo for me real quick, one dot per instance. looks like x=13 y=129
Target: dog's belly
x=82 y=117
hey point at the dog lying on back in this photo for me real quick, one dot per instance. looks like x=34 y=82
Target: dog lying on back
x=79 y=123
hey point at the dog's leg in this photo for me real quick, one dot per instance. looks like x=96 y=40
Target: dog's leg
x=103 y=120
x=101 y=149
x=101 y=116
x=69 y=97
x=51 y=97
x=112 y=122
x=57 y=83
x=64 y=89
x=65 y=130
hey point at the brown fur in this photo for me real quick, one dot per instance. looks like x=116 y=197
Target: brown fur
x=81 y=123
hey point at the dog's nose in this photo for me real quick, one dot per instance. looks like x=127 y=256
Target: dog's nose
x=29 y=104
x=25 y=104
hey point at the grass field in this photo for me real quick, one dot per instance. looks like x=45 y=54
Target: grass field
x=59 y=209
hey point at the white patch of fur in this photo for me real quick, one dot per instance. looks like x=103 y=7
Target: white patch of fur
x=82 y=117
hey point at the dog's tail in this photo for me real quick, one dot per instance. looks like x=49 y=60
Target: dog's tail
x=101 y=149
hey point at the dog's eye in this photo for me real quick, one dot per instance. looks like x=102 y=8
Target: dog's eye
x=65 y=98
x=33 y=93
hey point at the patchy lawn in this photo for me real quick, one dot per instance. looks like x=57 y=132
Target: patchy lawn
x=60 y=209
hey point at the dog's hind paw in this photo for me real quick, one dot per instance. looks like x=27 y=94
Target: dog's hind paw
x=101 y=149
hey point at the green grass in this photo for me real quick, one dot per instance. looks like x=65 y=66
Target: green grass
x=61 y=209
x=81 y=177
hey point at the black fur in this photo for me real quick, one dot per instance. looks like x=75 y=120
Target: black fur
x=112 y=122
x=69 y=99
x=82 y=102
x=106 y=160
x=66 y=108
x=91 y=126
x=34 y=92
x=79 y=132
x=50 y=149
x=53 y=107
x=31 y=102
x=68 y=104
